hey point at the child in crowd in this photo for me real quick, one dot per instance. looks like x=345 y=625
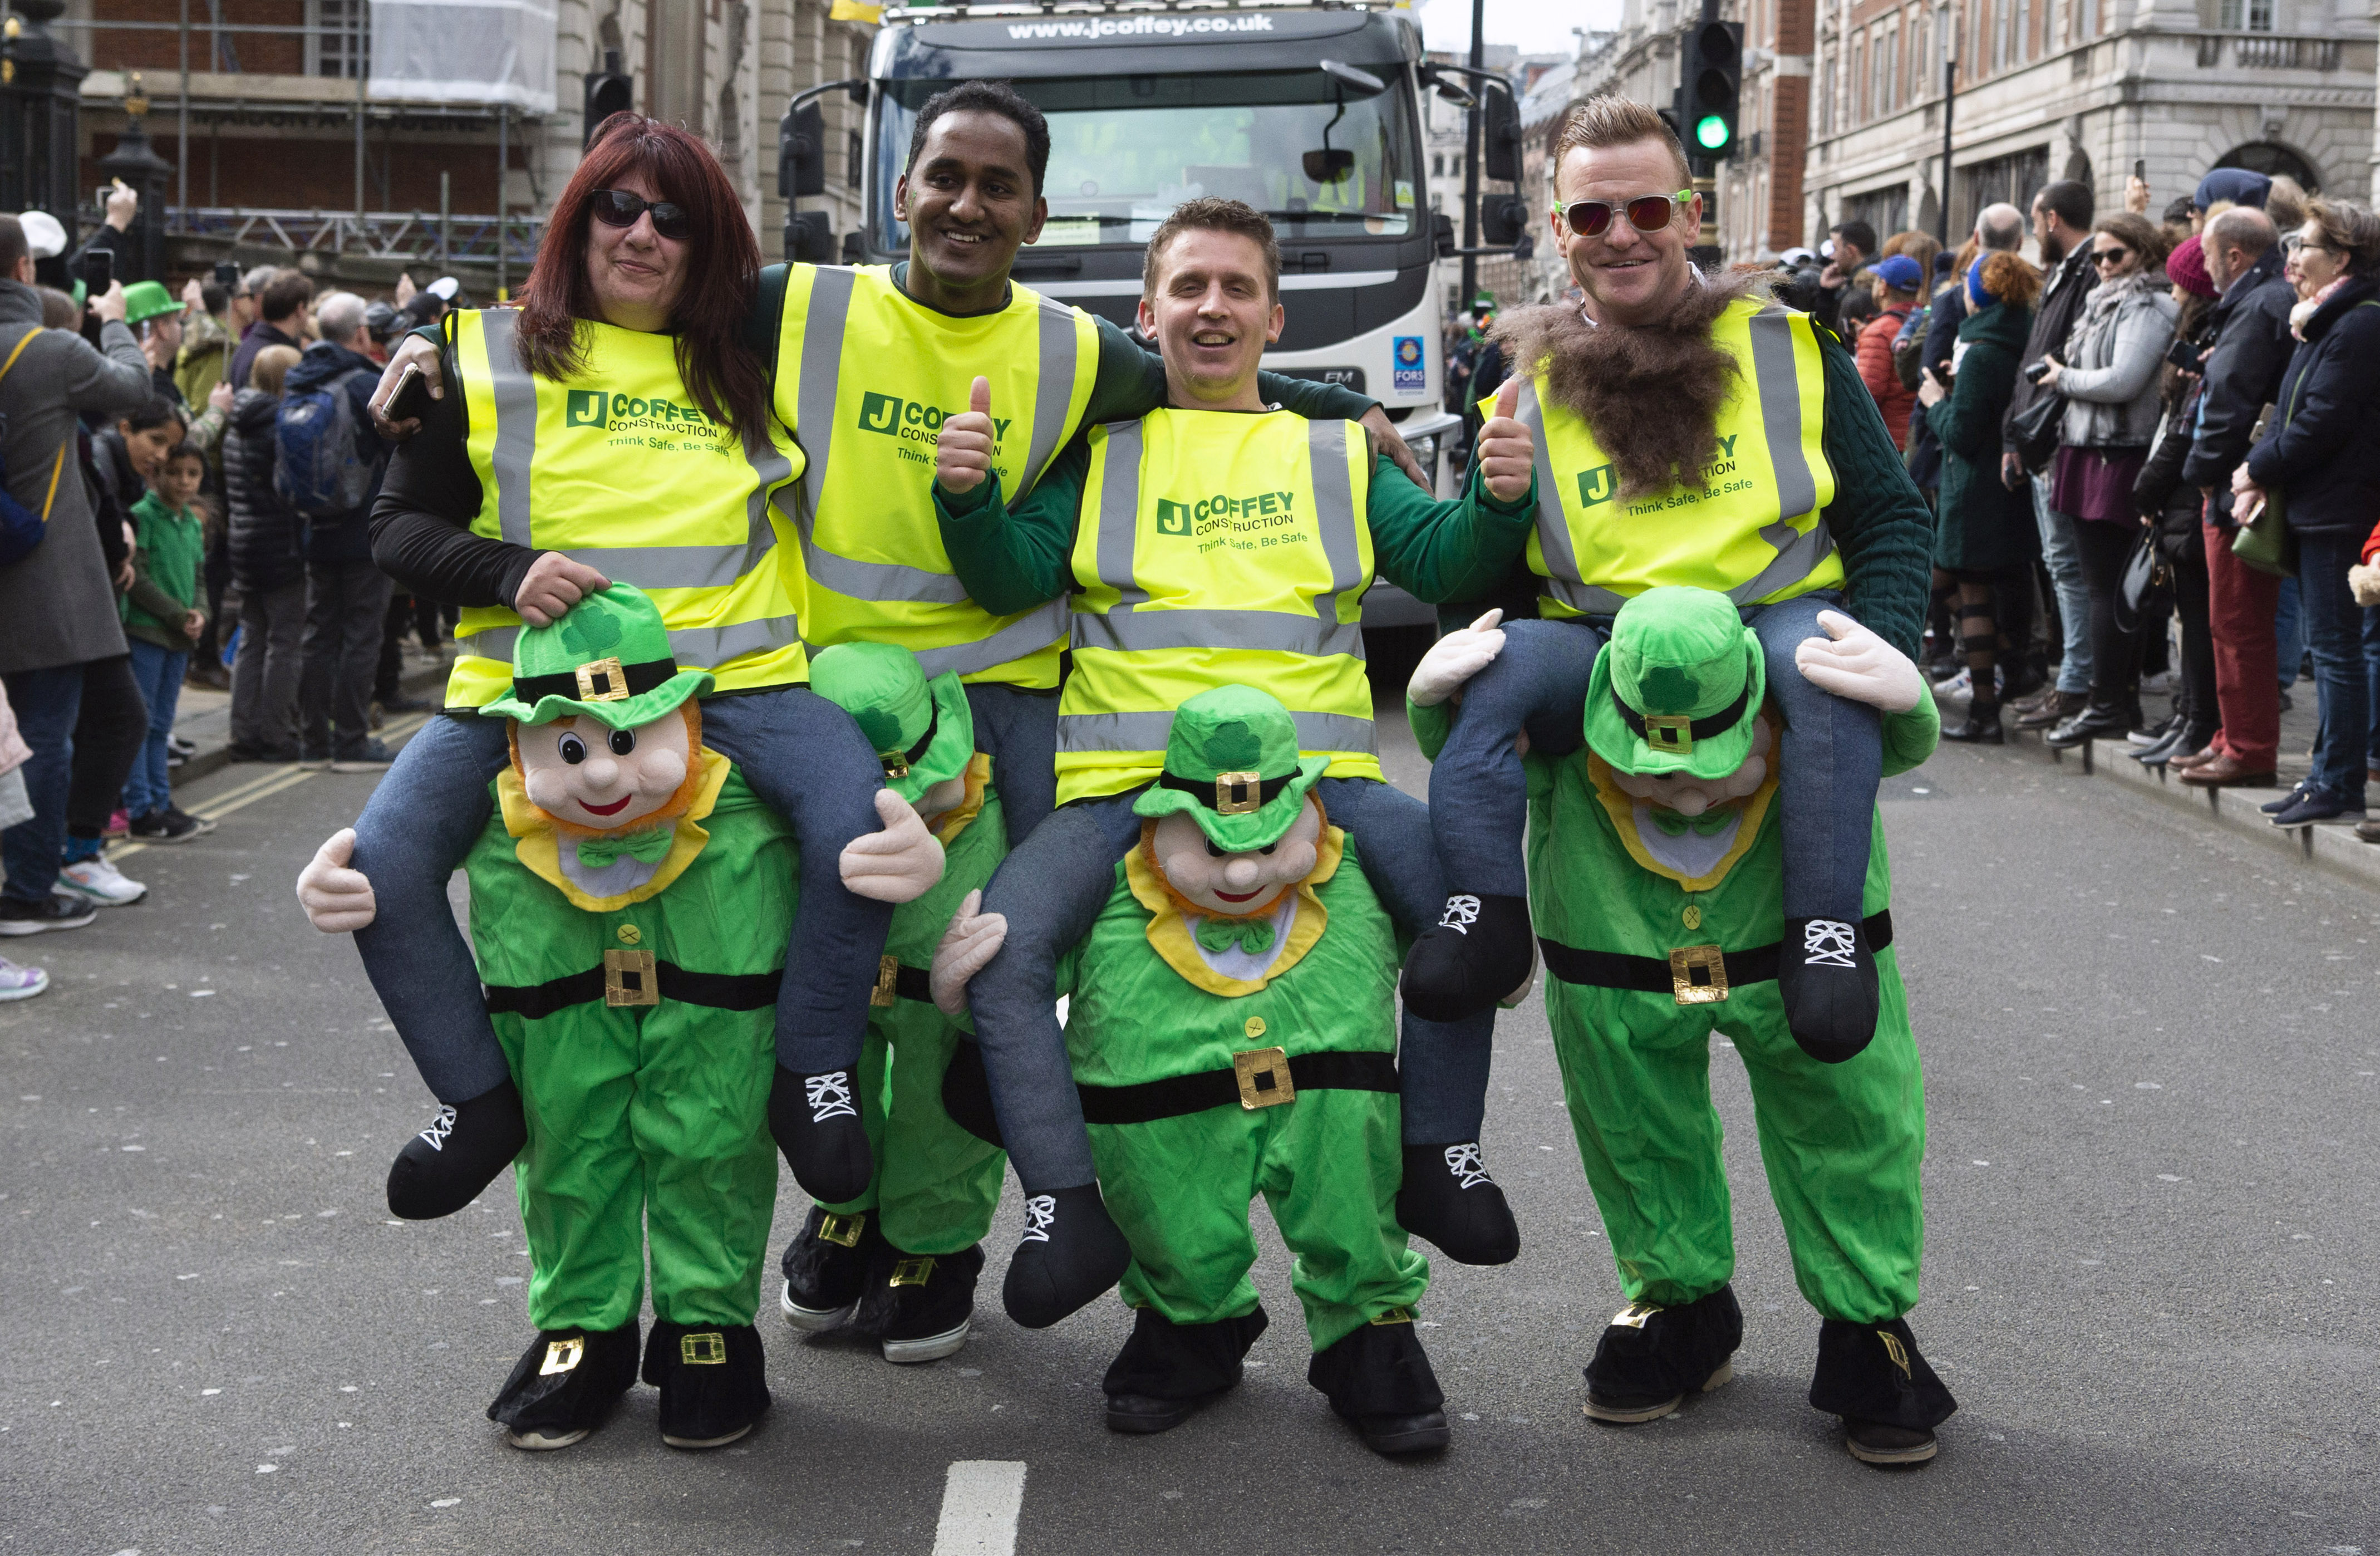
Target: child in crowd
x=161 y=619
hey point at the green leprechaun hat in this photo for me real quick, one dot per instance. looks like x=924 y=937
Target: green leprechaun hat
x=1232 y=763
x=922 y=731
x=1676 y=688
x=608 y=659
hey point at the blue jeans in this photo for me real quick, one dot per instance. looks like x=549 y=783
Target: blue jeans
x=1053 y=888
x=2290 y=631
x=2064 y=560
x=1828 y=769
x=803 y=757
x=46 y=703
x=1019 y=729
x=2335 y=631
x=158 y=673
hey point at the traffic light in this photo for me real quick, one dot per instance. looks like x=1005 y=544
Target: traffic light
x=1504 y=219
x=1710 y=85
x=608 y=91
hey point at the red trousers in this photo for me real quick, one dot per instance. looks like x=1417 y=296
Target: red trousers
x=2239 y=605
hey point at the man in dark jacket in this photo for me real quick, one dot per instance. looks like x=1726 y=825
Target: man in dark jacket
x=266 y=543
x=2061 y=224
x=2252 y=348
x=280 y=309
x=347 y=596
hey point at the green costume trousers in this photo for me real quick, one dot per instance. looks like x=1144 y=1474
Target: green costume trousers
x=1841 y=1143
x=936 y=1185
x=646 y=1125
x=1328 y=1163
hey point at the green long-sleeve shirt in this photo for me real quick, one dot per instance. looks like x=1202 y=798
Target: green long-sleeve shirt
x=1013 y=556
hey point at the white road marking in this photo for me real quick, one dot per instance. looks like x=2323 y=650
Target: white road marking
x=980 y=1503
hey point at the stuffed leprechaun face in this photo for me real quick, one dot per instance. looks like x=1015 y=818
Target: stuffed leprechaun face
x=1236 y=885
x=577 y=770
x=1690 y=796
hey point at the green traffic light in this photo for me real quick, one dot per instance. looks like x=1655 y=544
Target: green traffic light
x=1710 y=132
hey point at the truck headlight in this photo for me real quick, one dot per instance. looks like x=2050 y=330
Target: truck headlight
x=1425 y=453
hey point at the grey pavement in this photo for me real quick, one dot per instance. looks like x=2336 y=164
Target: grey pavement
x=2151 y=1049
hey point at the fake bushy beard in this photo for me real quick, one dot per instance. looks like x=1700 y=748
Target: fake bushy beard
x=1650 y=393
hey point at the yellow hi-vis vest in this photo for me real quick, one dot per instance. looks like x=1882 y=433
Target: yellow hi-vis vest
x=1215 y=548
x=1752 y=532
x=618 y=468
x=866 y=377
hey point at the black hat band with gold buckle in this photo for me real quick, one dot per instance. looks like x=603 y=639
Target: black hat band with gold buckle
x=898 y=764
x=598 y=680
x=1229 y=793
x=1675 y=734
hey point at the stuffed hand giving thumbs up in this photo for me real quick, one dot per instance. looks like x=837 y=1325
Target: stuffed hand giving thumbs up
x=963 y=456
x=1506 y=453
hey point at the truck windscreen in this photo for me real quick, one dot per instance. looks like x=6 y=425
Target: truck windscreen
x=1321 y=158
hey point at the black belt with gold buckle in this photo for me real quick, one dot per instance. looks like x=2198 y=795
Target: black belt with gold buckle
x=634 y=978
x=1255 y=1080
x=894 y=981
x=1685 y=973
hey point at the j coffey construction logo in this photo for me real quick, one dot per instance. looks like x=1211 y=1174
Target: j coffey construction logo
x=1136 y=27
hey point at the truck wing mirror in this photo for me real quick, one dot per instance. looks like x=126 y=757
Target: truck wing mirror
x=801 y=157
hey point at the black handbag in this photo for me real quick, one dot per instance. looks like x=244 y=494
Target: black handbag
x=2032 y=431
x=2147 y=585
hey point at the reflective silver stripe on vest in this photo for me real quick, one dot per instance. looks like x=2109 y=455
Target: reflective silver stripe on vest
x=1027 y=634
x=1148 y=732
x=822 y=324
x=516 y=395
x=708 y=647
x=1053 y=392
x=1126 y=627
x=645 y=567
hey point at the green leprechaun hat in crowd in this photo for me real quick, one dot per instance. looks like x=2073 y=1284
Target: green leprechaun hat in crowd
x=1232 y=763
x=608 y=659
x=922 y=731
x=1676 y=688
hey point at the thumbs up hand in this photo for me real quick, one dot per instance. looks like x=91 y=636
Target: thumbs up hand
x=963 y=456
x=1506 y=453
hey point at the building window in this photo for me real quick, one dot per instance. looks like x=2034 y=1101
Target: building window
x=2246 y=16
x=335 y=47
x=855 y=162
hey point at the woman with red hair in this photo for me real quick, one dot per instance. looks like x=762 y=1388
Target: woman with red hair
x=612 y=428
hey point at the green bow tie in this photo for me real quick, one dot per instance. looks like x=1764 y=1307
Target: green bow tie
x=651 y=845
x=1254 y=936
x=1710 y=823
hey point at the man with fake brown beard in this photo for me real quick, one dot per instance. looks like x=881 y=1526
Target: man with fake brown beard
x=1688 y=430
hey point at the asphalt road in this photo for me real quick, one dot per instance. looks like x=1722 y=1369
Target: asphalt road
x=2151 y=1255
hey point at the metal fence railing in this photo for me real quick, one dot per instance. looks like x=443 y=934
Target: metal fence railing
x=377 y=233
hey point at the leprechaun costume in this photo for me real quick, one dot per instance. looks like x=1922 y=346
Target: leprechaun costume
x=1218 y=1058
x=1659 y=929
x=631 y=979
x=899 y=1262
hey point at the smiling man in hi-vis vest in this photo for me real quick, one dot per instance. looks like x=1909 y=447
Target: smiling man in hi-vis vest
x=1218 y=540
x=1690 y=432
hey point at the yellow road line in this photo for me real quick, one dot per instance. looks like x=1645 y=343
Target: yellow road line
x=271 y=783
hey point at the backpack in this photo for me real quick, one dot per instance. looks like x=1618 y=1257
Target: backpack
x=316 y=468
x=20 y=527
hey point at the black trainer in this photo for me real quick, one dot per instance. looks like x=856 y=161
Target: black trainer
x=1168 y=1372
x=1478 y=952
x=920 y=1308
x=826 y=1269
x=815 y=1121
x=564 y=1385
x=1378 y=1380
x=1072 y=1251
x=169 y=825
x=1650 y=1358
x=1826 y=975
x=444 y=1167
x=713 y=1382
x=1890 y=1401
x=56 y=911
x=1449 y=1199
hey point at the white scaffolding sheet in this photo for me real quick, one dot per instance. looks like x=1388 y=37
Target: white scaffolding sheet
x=464 y=51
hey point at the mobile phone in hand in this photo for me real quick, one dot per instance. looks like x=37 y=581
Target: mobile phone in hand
x=2036 y=372
x=411 y=399
x=2140 y=169
x=98 y=271
x=227 y=274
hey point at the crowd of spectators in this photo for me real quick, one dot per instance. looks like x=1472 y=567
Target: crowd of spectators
x=163 y=524
x=2153 y=445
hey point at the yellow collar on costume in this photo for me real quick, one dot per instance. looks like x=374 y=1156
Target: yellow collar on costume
x=538 y=842
x=1173 y=936
x=1629 y=821
x=951 y=822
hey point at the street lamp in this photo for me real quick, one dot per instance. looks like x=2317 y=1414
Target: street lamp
x=1950 y=31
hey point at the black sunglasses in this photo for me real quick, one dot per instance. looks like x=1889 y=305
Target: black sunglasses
x=2116 y=255
x=618 y=208
x=1591 y=218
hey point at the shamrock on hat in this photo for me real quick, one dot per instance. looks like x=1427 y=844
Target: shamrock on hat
x=1232 y=763
x=922 y=731
x=1676 y=688
x=608 y=659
